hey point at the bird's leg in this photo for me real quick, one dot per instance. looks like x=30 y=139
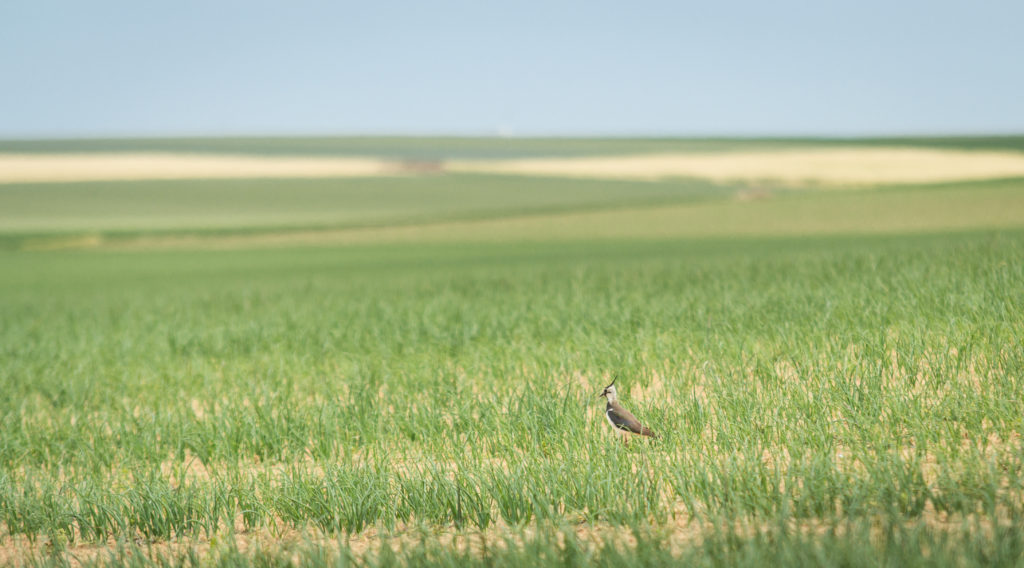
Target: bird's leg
x=625 y=438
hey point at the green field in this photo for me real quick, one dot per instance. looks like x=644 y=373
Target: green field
x=413 y=379
x=248 y=205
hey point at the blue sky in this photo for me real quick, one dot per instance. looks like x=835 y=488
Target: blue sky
x=124 y=68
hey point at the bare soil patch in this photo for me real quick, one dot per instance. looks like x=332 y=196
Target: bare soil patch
x=679 y=533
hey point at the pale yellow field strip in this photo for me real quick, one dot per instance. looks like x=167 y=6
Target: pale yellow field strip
x=849 y=166
x=42 y=168
x=825 y=167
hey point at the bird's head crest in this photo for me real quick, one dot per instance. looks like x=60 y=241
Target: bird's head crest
x=610 y=389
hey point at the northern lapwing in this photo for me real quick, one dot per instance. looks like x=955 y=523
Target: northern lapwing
x=620 y=418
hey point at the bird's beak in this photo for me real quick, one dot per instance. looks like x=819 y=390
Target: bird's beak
x=602 y=394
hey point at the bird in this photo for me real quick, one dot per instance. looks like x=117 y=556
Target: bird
x=620 y=418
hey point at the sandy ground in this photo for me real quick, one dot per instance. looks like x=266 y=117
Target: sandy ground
x=680 y=533
x=41 y=168
x=826 y=166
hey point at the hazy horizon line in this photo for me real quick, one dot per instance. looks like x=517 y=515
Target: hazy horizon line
x=490 y=135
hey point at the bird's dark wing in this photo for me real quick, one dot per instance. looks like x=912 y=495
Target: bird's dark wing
x=624 y=420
